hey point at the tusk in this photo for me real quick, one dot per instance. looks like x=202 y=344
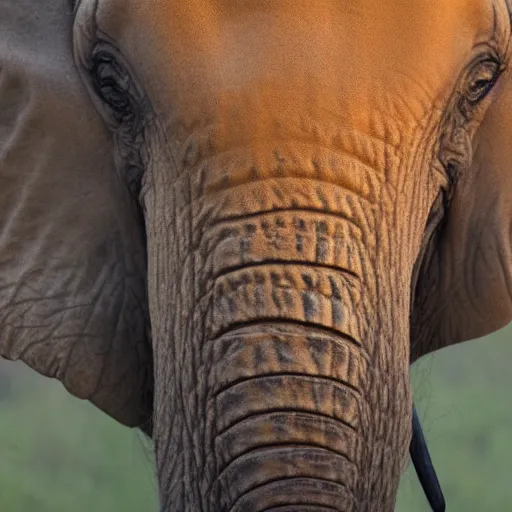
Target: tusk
x=424 y=467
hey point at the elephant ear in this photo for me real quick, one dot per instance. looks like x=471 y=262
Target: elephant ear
x=72 y=249
x=464 y=289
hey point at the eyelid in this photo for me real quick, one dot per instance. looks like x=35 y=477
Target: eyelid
x=483 y=64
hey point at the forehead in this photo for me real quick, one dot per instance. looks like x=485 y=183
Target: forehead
x=205 y=47
x=385 y=20
x=406 y=30
x=392 y=21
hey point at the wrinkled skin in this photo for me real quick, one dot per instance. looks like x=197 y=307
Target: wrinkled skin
x=236 y=224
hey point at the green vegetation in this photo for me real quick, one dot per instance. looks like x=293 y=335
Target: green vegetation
x=464 y=397
x=59 y=454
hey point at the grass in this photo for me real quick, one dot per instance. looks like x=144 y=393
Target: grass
x=59 y=454
x=463 y=394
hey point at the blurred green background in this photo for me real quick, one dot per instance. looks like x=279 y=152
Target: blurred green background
x=59 y=454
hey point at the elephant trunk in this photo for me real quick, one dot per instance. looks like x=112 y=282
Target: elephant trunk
x=286 y=407
x=286 y=389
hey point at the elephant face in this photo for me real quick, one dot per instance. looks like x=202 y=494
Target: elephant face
x=291 y=204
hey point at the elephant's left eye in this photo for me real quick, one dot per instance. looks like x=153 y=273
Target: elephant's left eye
x=482 y=79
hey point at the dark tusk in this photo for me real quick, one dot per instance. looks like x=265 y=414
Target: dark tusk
x=424 y=467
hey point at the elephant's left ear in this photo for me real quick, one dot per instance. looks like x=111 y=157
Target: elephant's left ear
x=72 y=252
x=464 y=289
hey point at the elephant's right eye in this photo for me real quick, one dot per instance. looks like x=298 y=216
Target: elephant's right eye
x=482 y=79
x=122 y=106
x=112 y=85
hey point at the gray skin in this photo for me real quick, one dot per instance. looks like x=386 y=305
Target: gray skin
x=236 y=224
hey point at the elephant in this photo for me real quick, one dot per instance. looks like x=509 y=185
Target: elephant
x=235 y=225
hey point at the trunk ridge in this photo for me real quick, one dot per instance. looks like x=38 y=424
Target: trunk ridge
x=285 y=411
x=284 y=387
x=285 y=302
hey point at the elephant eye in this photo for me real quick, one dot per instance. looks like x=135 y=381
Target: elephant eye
x=483 y=78
x=112 y=84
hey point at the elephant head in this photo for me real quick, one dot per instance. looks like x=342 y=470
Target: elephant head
x=250 y=221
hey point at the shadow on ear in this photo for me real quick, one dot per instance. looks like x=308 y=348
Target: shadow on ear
x=72 y=251
x=464 y=288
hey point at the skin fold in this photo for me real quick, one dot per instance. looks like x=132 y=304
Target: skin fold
x=236 y=225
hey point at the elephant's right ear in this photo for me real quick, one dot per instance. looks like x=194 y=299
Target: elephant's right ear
x=72 y=252
x=464 y=289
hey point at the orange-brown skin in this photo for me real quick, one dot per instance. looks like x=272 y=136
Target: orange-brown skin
x=326 y=197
